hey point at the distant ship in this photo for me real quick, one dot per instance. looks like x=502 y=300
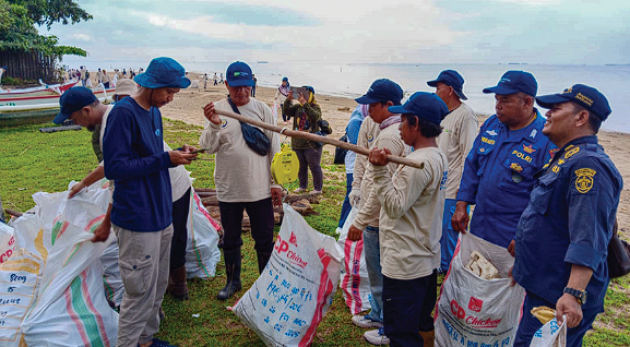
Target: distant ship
x=263 y=62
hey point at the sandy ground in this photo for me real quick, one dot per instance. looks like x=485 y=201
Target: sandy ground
x=188 y=104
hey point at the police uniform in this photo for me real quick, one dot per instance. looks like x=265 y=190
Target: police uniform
x=569 y=220
x=499 y=175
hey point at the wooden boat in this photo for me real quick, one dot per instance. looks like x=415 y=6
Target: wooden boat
x=44 y=89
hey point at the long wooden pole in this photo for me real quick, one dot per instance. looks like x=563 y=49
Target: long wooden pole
x=316 y=138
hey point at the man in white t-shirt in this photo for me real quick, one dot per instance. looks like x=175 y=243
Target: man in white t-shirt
x=460 y=129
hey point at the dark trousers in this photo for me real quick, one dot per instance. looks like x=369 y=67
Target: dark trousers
x=530 y=324
x=407 y=309
x=215 y=83
x=345 y=209
x=310 y=158
x=254 y=91
x=284 y=116
x=106 y=84
x=181 y=212
x=261 y=218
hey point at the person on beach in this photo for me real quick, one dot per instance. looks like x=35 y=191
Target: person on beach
x=242 y=177
x=215 y=79
x=142 y=210
x=456 y=140
x=410 y=244
x=306 y=117
x=105 y=79
x=99 y=76
x=368 y=132
x=562 y=237
x=221 y=81
x=83 y=78
x=255 y=85
x=281 y=95
x=499 y=171
x=205 y=81
x=382 y=95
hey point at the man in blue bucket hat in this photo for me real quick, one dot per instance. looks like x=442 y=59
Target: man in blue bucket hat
x=141 y=214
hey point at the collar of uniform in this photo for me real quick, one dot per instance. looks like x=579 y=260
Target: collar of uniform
x=525 y=133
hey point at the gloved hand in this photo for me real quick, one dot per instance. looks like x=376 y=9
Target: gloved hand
x=354 y=197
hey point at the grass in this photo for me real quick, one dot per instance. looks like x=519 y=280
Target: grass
x=33 y=161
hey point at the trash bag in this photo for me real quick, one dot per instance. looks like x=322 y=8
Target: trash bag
x=289 y=299
x=475 y=311
x=551 y=335
x=354 y=281
x=7 y=242
x=202 y=251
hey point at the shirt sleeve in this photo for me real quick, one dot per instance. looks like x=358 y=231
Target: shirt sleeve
x=96 y=143
x=361 y=161
x=211 y=137
x=273 y=137
x=120 y=162
x=353 y=130
x=470 y=180
x=398 y=195
x=468 y=133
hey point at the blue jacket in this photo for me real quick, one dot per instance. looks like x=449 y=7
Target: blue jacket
x=569 y=220
x=134 y=157
x=499 y=175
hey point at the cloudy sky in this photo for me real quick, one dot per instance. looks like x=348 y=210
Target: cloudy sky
x=345 y=31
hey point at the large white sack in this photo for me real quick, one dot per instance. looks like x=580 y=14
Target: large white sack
x=289 y=299
x=475 y=311
x=7 y=242
x=551 y=335
x=202 y=250
x=354 y=281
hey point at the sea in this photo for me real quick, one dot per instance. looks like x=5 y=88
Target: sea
x=353 y=79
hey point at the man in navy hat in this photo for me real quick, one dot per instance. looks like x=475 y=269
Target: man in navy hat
x=562 y=237
x=242 y=176
x=381 y=96
x=499 y=171
x=134 y=157
x=460 y=129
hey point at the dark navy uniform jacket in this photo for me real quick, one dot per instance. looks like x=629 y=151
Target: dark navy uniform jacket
x=569 y=220
x=499 y=175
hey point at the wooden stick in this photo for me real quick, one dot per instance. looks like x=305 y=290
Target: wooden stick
x=316 y=138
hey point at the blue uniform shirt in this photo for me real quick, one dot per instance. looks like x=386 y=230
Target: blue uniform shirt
x=499 y=175
x=569 y=220
x=134 y=156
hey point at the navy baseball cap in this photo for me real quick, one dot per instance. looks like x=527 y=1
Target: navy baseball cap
x=310 y=89
x=585 y=96
x=453 y=79
x=427 y=106
x=382 y=90
x=514 y=82
x=285 y=79
x=73 y=100
x=239 y=74
x=163 y=73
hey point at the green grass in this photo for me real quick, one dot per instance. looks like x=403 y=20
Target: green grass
x=33 y=161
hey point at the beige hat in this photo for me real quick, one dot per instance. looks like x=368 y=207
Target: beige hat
x=125 y=87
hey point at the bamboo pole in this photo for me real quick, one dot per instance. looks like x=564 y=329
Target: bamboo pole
x=316 y=138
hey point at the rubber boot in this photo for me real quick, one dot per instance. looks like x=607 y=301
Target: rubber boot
x=428 y=337
x=263 y=259
x=177 y=286
x=233 y=272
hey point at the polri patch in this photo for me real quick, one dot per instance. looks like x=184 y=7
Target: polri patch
x=584 y=181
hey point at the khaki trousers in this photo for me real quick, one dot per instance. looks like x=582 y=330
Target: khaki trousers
x=144 y=264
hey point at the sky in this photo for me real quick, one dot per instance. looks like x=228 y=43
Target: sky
x=355 y=31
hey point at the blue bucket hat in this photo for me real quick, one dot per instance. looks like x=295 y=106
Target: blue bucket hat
x=285 y=79
x=453 y=79
x=73 y=100
x=514 y=82
x=163 y=73
x=239 y=74
x=382 y=90
x=427 y=106
x=585 y=96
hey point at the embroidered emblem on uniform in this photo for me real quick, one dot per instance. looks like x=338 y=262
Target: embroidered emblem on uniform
x=584 y=181
x=370 y=137
x=516 y=167
x=571 y=153
x=482 y=150
x=516 y=177
x=529 y=149
x=556 y=169
x=492 y=132
x=488 y=141
x=561 y=161
x=553 y=151
x=533 y=134
x=223 y=123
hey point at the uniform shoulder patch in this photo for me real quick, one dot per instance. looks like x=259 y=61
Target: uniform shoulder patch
x=571 y=152
x=584 y=180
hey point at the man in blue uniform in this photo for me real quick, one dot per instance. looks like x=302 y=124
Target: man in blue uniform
x=499 y=170
x=563 y=235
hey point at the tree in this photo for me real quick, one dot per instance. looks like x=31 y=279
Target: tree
x=50 y=11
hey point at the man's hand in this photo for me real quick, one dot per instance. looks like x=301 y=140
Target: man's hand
x=460 y=219
x=210 y=115
x=181 y=158
x=354 y=233
x=276 y=196
x=188 y=149
x=568 y=305
x=512 y=248
x=378 y=157
x=301 y=99
x=101 y=233
x=354 y=197
x=76 y=189
x=513 y=283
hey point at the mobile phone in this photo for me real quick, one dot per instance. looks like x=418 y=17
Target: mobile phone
x=200 y=150
x=296 y=91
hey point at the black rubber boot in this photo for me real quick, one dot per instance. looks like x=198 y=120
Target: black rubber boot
x=233 y=272
x=177 y=285
x=263 y=258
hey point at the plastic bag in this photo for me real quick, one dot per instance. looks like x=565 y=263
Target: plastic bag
x=202 y=251
x=354 y=281
x=475 y=311
x=7 y=242
x=289 y=299
x=551 y=335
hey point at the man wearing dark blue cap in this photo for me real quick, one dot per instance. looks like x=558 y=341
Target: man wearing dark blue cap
x=456 y=140
x=563 y=234
x=499 y=171
x=411 y=200
x=381 y=96
x=141 y=215
x=242 y=176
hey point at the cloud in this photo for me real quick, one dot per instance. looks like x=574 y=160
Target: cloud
x=82 y=37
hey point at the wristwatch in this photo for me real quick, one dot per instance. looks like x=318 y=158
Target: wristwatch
x=580 y=295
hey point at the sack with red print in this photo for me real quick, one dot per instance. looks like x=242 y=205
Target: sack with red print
x=354 y=281
x=289 y=299
x=473 y=311
x=7 y=242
